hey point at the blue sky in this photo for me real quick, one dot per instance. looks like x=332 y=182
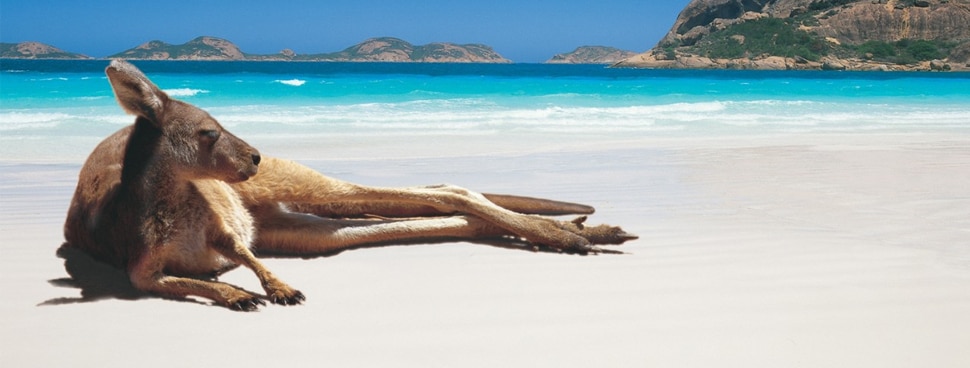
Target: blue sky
x=521 y=30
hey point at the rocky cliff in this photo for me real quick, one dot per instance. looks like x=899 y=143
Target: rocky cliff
x=592 y=55
x=36 y=50
x=816 y=34
x=385 y=49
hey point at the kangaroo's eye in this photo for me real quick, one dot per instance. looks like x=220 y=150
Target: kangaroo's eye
x=210 y=134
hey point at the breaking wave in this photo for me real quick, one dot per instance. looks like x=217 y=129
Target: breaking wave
x=184 y=92
x=292 y=82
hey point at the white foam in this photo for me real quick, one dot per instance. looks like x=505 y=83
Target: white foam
x=11 y=121
x=292 y=82
x=4 y=127
x=466 y=116
x=485 y=116
x=184 y=92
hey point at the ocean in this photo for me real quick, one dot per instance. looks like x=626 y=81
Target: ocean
x=53 y=110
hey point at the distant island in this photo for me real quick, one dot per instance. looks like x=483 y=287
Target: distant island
x=592 y=55
x=385 y=49
x=36 y=50
x=381 y=49
x=815 y=35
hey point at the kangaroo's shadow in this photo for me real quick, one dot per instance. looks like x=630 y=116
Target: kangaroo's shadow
x=98 y=281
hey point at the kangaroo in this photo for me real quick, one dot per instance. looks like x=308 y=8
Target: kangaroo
x=176 y=200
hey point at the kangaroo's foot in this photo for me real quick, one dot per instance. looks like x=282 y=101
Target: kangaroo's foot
x=282 y=294
x=243 y=302
x=599 y=234
x=291 y=297
x=577 y=238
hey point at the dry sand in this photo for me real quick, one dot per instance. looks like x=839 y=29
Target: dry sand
x=825 y=251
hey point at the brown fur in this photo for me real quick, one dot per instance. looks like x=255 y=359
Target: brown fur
x=175 y=196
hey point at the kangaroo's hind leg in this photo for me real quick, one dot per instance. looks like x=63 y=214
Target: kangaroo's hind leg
x=293 y=233
x=281 y=181
x=359 y=209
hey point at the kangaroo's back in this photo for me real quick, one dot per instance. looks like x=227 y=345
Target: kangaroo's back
x=96 y=201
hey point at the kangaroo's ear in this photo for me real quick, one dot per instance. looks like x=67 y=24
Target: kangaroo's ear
x=135 y=93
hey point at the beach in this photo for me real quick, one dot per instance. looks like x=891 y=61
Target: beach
x=790 y=250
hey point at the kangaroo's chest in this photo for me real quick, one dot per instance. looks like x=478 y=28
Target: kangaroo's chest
x=215 y=222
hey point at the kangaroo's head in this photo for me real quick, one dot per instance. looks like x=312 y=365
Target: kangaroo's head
x=191 y=142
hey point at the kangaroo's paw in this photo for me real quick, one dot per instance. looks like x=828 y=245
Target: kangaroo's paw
x=282 y=294
x=292 y=298
x=244 y=302
x=554 y=234
x=595 y=235
x=599 y=234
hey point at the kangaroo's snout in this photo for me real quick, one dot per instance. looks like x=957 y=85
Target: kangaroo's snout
x=248 y=169
x=255 y=166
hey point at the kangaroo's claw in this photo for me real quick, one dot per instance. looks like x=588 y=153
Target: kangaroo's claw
x=579 y=221
x=295 y=298
x=247 y=305
x=599 y=234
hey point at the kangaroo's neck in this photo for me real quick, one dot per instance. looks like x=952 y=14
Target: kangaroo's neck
x=145 y=173
x=151 y=186
x=143 y=143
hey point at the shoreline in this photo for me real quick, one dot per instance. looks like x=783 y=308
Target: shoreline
x=365 y=148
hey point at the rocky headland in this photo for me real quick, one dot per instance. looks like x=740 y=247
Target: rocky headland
x=592 y=55
x=815 y=35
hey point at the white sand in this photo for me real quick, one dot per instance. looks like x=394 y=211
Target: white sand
x=827 y=251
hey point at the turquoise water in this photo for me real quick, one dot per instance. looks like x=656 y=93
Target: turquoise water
x=65 y=105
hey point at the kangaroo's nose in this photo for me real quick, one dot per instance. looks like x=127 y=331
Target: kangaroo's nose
x=256 y=159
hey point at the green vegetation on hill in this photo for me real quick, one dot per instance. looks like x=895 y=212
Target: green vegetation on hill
x=827 y=4
x=436 y=50
x=765 y=36
x=903 y=51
